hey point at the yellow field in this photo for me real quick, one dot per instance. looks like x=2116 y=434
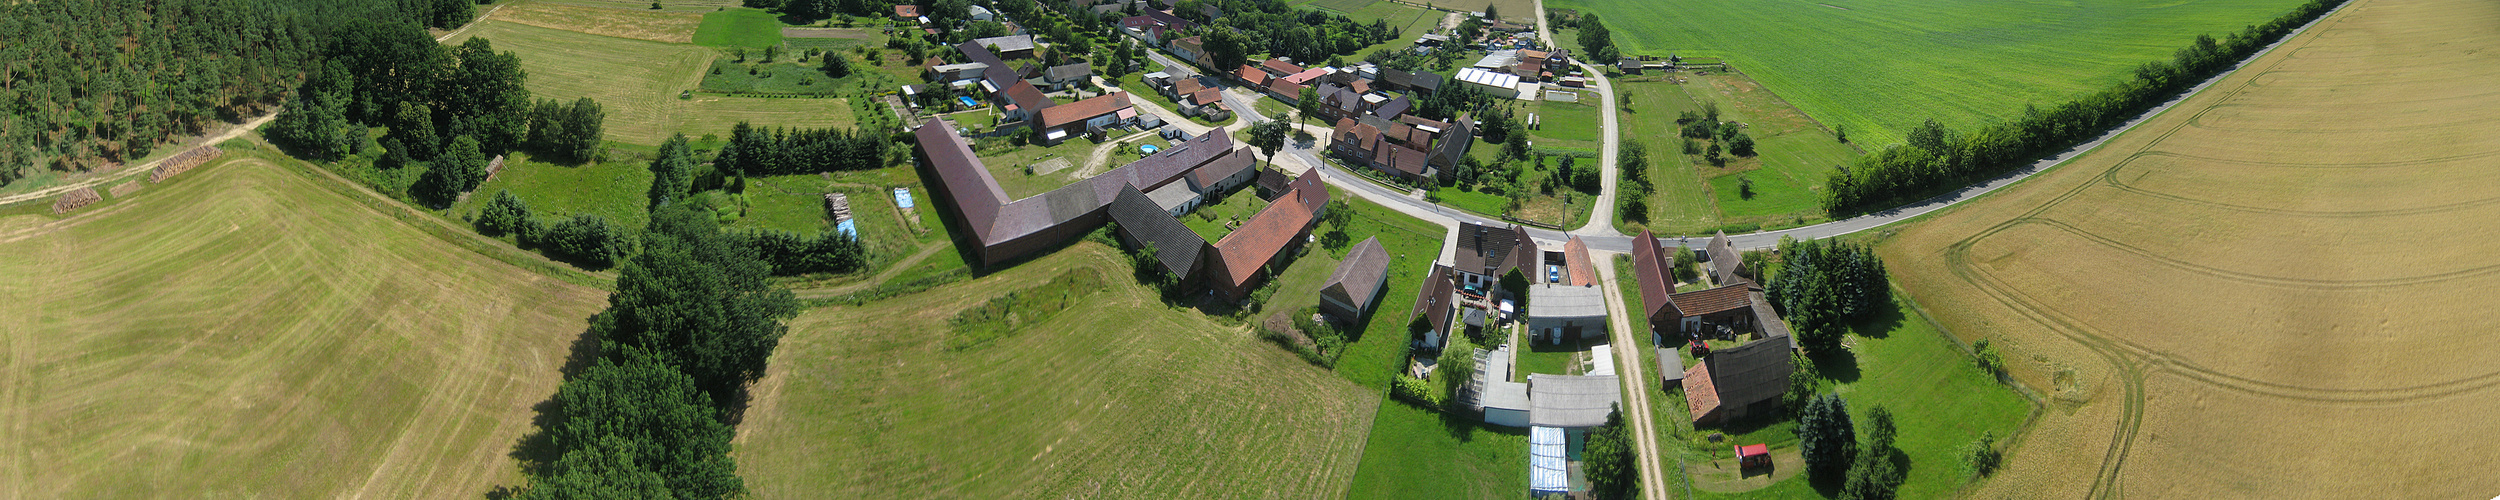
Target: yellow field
x=657 y=26
x=2277 y=289
x=242 y=331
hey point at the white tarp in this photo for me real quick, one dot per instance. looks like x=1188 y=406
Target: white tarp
x=1604 y=357
x=1548 y=468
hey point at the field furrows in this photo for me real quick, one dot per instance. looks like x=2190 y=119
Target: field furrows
x=2294 y=251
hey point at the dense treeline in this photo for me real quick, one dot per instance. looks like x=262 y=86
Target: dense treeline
x=1273 y=27
x=1937 y=158
x=777 y=151
x=83 y=83
x=692 y=322
x=1823 y=285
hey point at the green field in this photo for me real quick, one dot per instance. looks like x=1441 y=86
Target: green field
x=249 y=329
x=1132 y=399
x=1213 y=221
x=1691 y=196
x=1880 y=66
x=638 y=82
x=665 y=5
x=739 y=27
x=617 y=190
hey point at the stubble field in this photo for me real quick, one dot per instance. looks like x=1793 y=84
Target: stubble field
x=2278 y=288
x=241 y=330
x=1880 y=66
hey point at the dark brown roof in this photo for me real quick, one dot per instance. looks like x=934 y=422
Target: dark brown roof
x=1069 y=71
x=1186 y=86
x=1401 y=158
x=1432 y=300
x=1713 y=301
x=1176 y=247
x=1772 y=326
x=1650 y=262
x=1206 y=97
x=1750 y=373
x=1027 y=97
x=1725 y=261
x=1494 y=251
x=1284 y=87
x=1221 y=168
x=1364 y=137
x=1259 y=239
x=1428 y=122
x=976 y=195
x=1394 y=108
x=998 y=71
x=1454 y=142
x=1271 y=181
x=1357 y=278
x=1056 y=116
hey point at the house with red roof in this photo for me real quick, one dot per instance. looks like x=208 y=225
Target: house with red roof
x=1265 y=243
x=1058 y=123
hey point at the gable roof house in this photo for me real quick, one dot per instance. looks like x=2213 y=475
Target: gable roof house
x=1557 y=312
x=1192 y=49
x=1082 y=117
x=1021 y=101
x=1265 y=241
x=1485 y=253
x=1278 y=68
x=1434 y=301
x=1738 y=382
x=1703 y=311
x=1356 y=285
x=1453 y=145
x=1008 y=47
x=907 y=12
x=1727 y=266
x=1651 y=265
x=1066 y=76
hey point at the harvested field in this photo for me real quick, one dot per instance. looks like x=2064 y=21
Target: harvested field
x=695 y=6
x=1131 y=400
x=250 y=332
x=638 y=83
x=657 y=26
x=2287 y=267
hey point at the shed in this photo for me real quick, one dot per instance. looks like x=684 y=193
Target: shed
x=1572 y=401
x=1564 y=311
x=1504 y=403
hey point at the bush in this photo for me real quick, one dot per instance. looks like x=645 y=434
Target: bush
x=1417 y=391
x=503 y=215
x=586 y=240
x=1981 y=458
x=790 y=254
x=1988 y=359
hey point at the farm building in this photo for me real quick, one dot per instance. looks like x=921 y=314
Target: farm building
x=1652 y=266
x=1739 y=381
x=1356 y=285
x=1727 y=266
x=1577 y=268
x=1179 y=250
x=1068 y=76
x=1000 y=229
x=1058 y=123
x=1490 y=391
x=1418 y=81
x=1576 y=402
x=1705 y=313
x=1020 y=101
x=1247 y=255
x=1485 y=253
x=1495 y=83
x=1557 y=312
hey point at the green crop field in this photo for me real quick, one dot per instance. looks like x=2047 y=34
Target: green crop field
x=617 y=190
x=739 y=27
x=638 y=82
x=665 y=5
x=1130 y=399
x=244 y=330
x=1692 y=196
x=1879 y=66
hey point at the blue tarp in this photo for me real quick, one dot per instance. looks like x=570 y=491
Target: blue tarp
x=849 y=228
x=1549 y=469
x=902 y=198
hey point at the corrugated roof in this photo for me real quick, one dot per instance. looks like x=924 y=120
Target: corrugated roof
x=1572 y=401
x=1057 y=116
x=1069 y=71
x=1566 y=301
x=1013 y=43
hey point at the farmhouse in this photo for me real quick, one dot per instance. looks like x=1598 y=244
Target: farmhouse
x=1067 y=76
x=1356 y=285
x=1651 y=265
x=1177 y=249
x=1000 y=229
x=1020 y=101
x=1058 y=123
x=1433 y=303
x=1249 y=253
x=1707 y=313
x=1738 y=381
x=1192 y=49
x=1485 y=253
x=1559 y=312
x=1727 y=266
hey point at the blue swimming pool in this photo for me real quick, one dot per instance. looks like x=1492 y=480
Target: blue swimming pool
x=967 y=101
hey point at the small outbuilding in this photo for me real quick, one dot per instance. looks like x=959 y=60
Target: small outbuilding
x=1356 y=285
x=1557 y=312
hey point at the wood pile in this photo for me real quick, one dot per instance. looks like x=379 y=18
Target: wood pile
x=838 y=206
x=183 y=162
x=75 y=199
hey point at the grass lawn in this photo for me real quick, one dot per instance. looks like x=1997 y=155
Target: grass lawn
x=831 y=38
x=1880 y=66
x=786 y=76
x=739 y=27
x=1214 y=221
x=1135 y=83
x=617 y=190
x=255 y=328
x=1419 y=453
x=1473 y=201
x=1128 y=399
x=638 y=22
x=645 y=5
x=1691 y=196
x=1008 y=162
x=1545 y=358
x=1564 y=124
x=716 y=114
x=1271 y=108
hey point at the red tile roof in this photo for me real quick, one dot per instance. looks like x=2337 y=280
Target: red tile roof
x=1653 y=267
x=1284 y=87
x=1027 y=96
x=1279 y=67
x=1404 y=159
x=907 y=11
x=1576 y=259
x=1057 y=116
x=1262 y=237
x=1207 y=96
x=1700 y=396
x=1187 y=86
x=1252 y=74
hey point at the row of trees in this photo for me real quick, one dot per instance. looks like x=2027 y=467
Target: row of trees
x=1276 y=28
x=1828 y=438
x=1632 y=186
x=1824 y=285
x=1936 y=158
x=1596 y=40
x=692 y=322
x=778 y=151
x=585 y=240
